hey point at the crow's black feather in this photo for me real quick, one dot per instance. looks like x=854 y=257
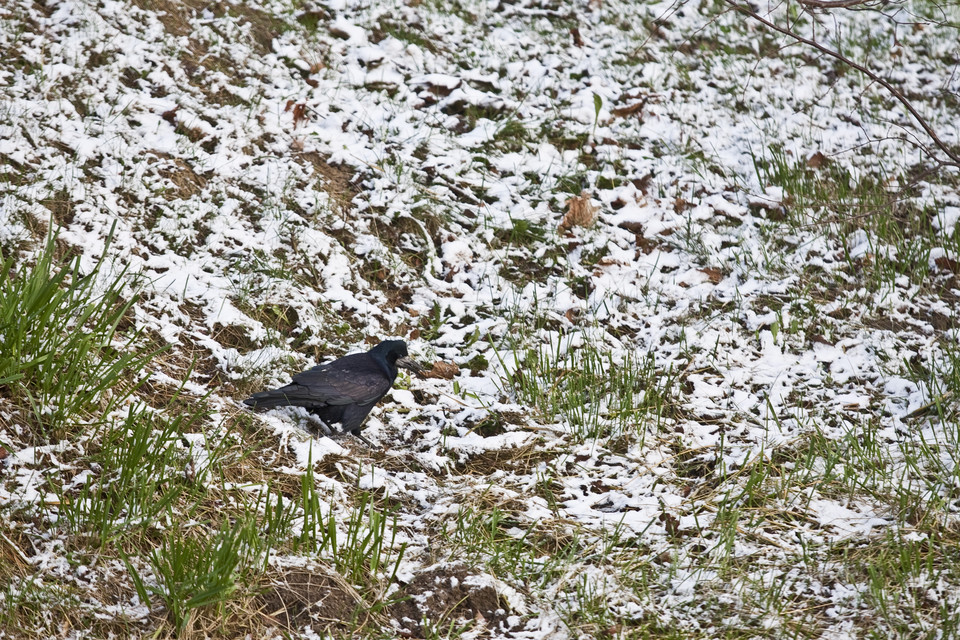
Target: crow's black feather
x=345 y=390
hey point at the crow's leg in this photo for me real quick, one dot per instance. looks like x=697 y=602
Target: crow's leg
x=323 y=428
x=356 y=433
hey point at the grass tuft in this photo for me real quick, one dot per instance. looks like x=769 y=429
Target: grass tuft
x=595 y=394
x=63 y=348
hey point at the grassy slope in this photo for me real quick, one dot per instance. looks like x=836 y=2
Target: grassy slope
x=687 y=420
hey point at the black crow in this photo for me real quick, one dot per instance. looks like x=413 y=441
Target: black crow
x=344 y=390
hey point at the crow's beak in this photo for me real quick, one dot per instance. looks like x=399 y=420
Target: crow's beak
x=413 y=365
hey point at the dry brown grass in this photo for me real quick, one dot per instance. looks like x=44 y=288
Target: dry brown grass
x=292 y=598
x=338 y=181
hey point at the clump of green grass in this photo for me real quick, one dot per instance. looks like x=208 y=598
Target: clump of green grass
x=195 y=571
x=891 y=566
x=522 y=233
x=586 y=608
x=202 y=569
x=137 y=474
x=593 y=393
x=926 y=492
x=63 y=348
x=490 y=538
x=511 y=136
x=900 y=234
x=364 y=554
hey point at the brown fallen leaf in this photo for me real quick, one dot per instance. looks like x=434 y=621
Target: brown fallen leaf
x=629 y=110
x=817 y=160
x=713 y=273
x=580 y=213
x=171 y=115
x=299 y=110
x=445 y=370
x=577 y=38
x=671 y=523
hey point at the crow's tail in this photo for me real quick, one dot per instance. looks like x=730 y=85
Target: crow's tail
x=289 y=395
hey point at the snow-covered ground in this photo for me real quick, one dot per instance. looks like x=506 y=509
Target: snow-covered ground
x=686 y=419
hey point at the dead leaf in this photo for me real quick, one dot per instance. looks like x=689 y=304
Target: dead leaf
x=577 y=38
x=713 y=273
x=299 y=115
x=643 y=184
x=670 y=522
x=299 y=110
x=445 y=370
x=817 y=160
x=580 y=212
x=629 y=110
x=171 y=115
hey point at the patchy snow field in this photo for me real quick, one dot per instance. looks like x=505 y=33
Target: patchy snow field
x=699 y=281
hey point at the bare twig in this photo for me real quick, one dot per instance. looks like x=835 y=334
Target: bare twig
x=747 y=11
x=833 y=4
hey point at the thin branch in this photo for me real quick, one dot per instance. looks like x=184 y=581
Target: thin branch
x=953 y=155
x=833 y=4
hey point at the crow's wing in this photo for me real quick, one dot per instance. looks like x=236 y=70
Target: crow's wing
x=353 y=417
x=354 y=379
